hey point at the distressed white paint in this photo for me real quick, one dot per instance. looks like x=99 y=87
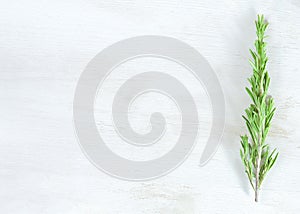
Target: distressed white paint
x=45 y=45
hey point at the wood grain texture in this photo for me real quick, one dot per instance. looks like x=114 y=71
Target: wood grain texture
x=44 y=47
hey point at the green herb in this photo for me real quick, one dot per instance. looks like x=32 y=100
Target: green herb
x=255 y=153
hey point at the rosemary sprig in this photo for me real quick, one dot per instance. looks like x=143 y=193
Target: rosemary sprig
x=255 y=153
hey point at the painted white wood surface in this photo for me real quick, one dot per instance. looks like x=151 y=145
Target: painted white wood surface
x=45 y=45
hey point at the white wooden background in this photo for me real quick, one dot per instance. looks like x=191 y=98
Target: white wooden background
x=46 y=44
